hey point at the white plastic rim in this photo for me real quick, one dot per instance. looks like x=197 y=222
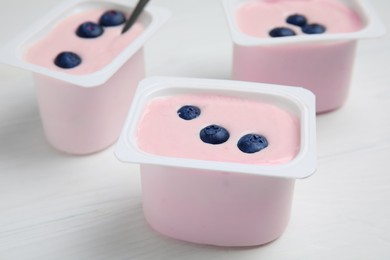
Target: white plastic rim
x=11 y=53
x=298 y=100
x=373 y=27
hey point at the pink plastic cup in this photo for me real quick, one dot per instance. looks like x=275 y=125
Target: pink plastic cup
x=214 y=202
x=322 y=63
x=83 y=114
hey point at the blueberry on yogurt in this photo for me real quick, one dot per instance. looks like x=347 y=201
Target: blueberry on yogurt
x=188 y=112
x=252 y=143
x=281 y=32
x=89 y=30
x=112 y=18
x=296 y=19
x=314 y=28
x=67 y=60
x=214 y=134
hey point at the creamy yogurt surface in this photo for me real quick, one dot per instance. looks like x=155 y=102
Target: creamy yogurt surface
x=258 y=17
x=94 y=52
x=161 y=131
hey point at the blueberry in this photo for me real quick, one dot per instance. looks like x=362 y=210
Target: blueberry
x=188 y=112
x=252 y=143
x=112 y=18
x=214 y=134
x=296 y=19
x=89 y=30
x=281 y=32
x=67 y=60
x=313 y=28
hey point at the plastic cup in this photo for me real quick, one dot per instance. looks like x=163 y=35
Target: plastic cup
x=214 y=202
x=322 y=63
x=82 y=114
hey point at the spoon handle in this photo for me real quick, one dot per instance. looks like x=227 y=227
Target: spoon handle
x=133 y=17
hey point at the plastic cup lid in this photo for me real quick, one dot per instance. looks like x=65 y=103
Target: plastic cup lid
x=299 y=100
x=11 y=52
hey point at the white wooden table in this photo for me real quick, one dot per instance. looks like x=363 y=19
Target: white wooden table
x=55 y=206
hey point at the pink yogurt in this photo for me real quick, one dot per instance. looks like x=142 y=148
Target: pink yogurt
x=180 y=138
x=83 y=108
x=95 y=53
x=85 y=120
x=216 y=194
x=306 y=60
x=189 y=216
x=257 y=18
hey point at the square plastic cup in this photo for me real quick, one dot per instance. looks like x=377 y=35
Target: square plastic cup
x=322 y=63
x=216 y=202
x=83 y=114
